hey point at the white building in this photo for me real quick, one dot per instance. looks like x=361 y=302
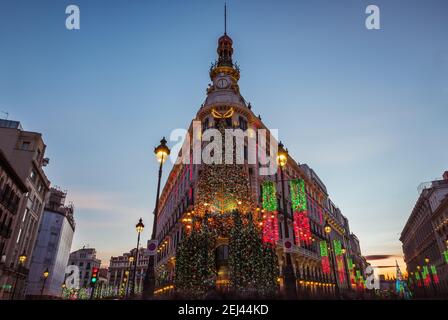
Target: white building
x=52 y=248
x=86 y=260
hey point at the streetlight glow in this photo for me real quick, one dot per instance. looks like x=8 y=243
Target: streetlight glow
x=140 y=226
x=162 y=151
x=282 y=155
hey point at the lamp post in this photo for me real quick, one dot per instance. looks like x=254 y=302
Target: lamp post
x=22 y=259
x=288 y=271
x=127 y=272
x=45 y=274
x=162 y=152
x=139 y=227
x=430 y=276
x=327 y=230
x=347 y=272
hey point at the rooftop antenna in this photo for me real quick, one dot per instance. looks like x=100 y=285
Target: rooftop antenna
x=7 y=114
x=225 y=18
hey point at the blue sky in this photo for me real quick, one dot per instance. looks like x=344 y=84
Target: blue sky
x=366 y=109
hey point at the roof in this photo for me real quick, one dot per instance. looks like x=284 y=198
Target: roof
x=12 y=173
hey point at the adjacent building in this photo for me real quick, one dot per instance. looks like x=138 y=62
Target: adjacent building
x=314 y=256
x=85 y=259
x=121 y=269
x=424 y=239
x=12 y=190
x=25 y=151
x=52 y=248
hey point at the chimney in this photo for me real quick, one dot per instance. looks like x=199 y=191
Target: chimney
x=445 y=175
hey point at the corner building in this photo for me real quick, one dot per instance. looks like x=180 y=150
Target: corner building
x=313 y=252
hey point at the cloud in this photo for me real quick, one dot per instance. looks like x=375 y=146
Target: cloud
x=106 y=202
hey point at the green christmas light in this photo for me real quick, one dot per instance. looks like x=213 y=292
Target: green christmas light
x=350 y=263
x=323 y=249
x=425 y=272
x=337 y=247
x=269 y=197
x=433 y=270
x=298 y=194
x=445 y=255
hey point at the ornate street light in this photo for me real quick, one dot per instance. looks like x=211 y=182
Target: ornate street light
x=162 y=152
x=22 y=259
x=288 y=271
x=328 y=230
x=139 y=228
x=46 y=273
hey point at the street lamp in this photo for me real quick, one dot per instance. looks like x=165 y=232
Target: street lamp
x=45 y=274
x=22 y=259
x=162 y=152
x=139 y=228
x=347 y=272
x=327 y=230
x=288 y=271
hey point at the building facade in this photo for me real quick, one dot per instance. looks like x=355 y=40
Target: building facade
x=25 y=151
x=52 y=248
x=12 y=190
x=314 y=256
x=121 y=270
x=424 y=239
x=85 y=259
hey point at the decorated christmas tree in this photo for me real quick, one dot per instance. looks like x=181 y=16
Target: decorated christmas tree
x=253 y=265
x=223 y=187
x=195 y=264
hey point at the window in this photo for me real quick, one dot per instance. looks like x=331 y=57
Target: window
x=18 y=237
x=33 y=175
x=25 y=145
x=243 y=123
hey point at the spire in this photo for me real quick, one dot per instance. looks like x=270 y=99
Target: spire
x=225 y=49
x=225 y=18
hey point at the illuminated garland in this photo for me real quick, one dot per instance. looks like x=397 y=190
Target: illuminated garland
x=426 y=276
x=445 y=255
x=298 y=194
x=302 y=229
x=417 y=277
x=270 y=216
x=435 y=277
x=269 y=198
x=324 y=257
x=337 y=247
x=351 y=271
x=339 y=260
x=359 y=279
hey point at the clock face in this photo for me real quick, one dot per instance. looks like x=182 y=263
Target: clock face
x=222 y=83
